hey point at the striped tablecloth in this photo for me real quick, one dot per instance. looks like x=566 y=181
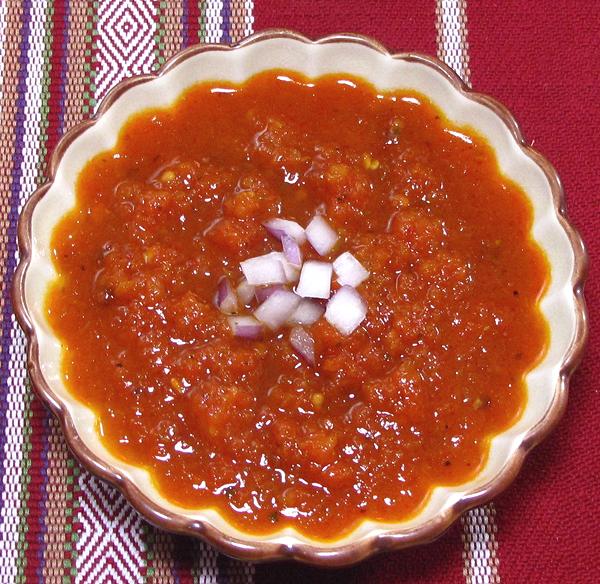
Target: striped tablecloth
x=59 y=58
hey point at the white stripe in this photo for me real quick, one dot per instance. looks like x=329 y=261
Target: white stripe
x=479 y=529
x=480 y=546
x=17 y=396
x=214 y=21
x=249 y=18
x=208 y=569
x=453 y=18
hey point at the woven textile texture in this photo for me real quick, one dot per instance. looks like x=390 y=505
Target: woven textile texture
x=58 y=58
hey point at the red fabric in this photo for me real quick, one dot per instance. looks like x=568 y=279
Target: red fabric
x=540 y=59
x=192 y=17
x=401 y=26
x=548 y=76
x=435 y=563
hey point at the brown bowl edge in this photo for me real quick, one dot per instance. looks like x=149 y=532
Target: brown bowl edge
x=304 y=552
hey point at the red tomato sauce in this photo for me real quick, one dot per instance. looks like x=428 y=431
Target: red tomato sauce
x=406 y=402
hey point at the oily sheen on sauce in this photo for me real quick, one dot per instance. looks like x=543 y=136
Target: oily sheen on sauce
x=405 y=402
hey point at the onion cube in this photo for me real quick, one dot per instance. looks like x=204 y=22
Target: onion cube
x=349 y=271
x=291 y=272
x=308 y=312
x=320 y=235
x=279 y=227
x=246 y=327
x=277 y=308
x=225 y=298
x=245 y=291
x=303 y=343
x=265 y=269
x=315 y=280
x=262 y=293
x=291 y=251
x=346 y=310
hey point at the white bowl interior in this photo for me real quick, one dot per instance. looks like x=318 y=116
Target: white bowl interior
x=557 y=305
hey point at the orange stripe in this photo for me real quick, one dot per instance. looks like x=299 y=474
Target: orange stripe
x=171 y=14
x=162 y=562
x=12 y=39
x=239 y=15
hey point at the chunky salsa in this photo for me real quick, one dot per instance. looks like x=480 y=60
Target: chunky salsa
x=375 y=414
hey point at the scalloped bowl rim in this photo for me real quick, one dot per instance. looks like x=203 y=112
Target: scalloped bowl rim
x=562 y=303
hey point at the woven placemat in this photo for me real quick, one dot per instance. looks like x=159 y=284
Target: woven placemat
x=58 y=58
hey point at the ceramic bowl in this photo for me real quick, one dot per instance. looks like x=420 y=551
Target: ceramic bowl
x=562 y=304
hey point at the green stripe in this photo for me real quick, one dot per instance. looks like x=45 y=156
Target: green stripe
x=89 y=71
x=159 y=37
x=23 y=527
x=149 y=539
x=73 y=506
x=24 y=492
x=202 y=23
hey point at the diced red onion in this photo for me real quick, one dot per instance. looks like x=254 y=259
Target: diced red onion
x=291 y=250
x=246 y=327
x=245 y=292
x=278 y=227
x=303 y=343
x=320 y=235
x=277 y=308
x=346 y=310
x=349 y=270
x=265 y=269
x=263 y=293
x=308 y=312
x=225 y=298
x=291 y=272
x=315 y=280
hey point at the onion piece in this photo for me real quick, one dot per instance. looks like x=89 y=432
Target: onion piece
x=225 y=298
x=346 y=310
x=291 y=273
x=265 y=269
x=246 y=327
x=291 y=250
x=308 y=312
x=303 y=343
x=320 y=235
x=263 y=293
x=315 y=280
x=277 y=308
x=279 y=227
x=350 y=272
x=245 y=291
